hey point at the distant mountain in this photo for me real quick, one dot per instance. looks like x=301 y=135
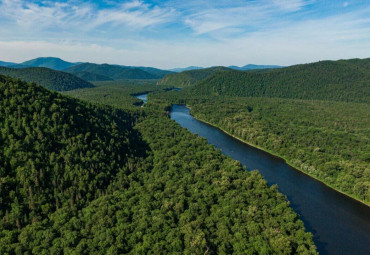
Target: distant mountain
x=134 y=73
x=159 y=73
x=48 y=78
x=240 y=68
x=2 y=63
x=93 y=72
x=254 y=67
x=343 y=80
x=188 y=78
x=177 y=70
x=48 y=62
x=114 y=72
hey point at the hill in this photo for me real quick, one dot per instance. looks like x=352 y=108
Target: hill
x=158 y=73
x=254 y=67
x=133 y=73
x=55 y=152
x=114 y=72
x=48 y=62
x=343 y=80
x=188 y=78
x=78 y=178
x=2 y=63
x=50 y=79
x=178 y=70
x=88 y=76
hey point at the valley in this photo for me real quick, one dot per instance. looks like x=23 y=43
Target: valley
x=203 y=198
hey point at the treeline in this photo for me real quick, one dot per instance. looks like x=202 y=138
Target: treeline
x=328 y=140
x=116 y=72
x=191 y=77
x=50 y=79
x=116 y=93
x=88 y=76
x=79 y=178
x=343 y=80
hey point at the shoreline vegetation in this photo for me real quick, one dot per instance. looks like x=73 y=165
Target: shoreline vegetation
x=98 y=179
x=327 y=140
x=275 y=155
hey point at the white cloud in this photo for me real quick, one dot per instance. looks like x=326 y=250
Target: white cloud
x=248 y=15
x=135 y=14
x=290 y=5
x=345 y=35
x=78 y=15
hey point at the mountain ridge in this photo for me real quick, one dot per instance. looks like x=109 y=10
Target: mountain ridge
x=342 y=80
x=191 y=77
x=48 y=78
x=48 y=62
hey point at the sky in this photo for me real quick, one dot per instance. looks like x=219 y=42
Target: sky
x=180 y=33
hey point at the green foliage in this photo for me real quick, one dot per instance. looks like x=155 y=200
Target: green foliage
x=116 y=93
x=50 y=79
x=343 y=80
x=56 y=152
x=88 y=76
x=188 y=78
x=117 y=72
x=327 y=140
x=79 y=179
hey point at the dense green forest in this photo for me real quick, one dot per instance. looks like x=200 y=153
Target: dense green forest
x=117 y=72
x=343 y=80
x=116 y=93
x=86 y=179
x=88 y=76
x=50 y=79
x=327 y=140
x=191 y=77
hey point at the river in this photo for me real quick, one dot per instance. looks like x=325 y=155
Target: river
x=340 y=224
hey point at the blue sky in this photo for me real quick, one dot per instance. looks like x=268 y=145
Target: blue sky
x=176 y=33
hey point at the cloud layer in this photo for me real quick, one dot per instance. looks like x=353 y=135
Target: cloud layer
x=179 y=33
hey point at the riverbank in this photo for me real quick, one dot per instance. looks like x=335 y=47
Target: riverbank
x=280 y=157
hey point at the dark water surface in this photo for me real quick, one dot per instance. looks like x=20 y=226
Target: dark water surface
x=340 y=224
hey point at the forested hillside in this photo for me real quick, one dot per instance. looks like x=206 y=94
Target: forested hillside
x=115 y=93
x=50 y=79
x=188 y=78
x=343 y=80
x=78 y=178
x=55 y=152
x=158 y=73
x=117 y=72
x=88 y=76
x=327 y=140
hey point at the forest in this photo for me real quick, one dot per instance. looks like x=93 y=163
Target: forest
x=88 y=76
x=48 y=78
x=116 y=72
x=190 y=77
x=342 y=80
x=83 y=178
x=325 y=139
